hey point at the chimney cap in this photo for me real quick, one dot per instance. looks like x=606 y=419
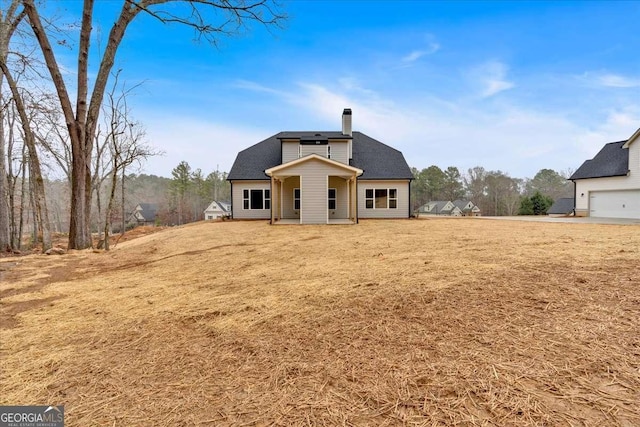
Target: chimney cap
x=347 y=112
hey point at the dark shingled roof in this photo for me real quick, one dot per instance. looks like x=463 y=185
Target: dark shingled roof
x=562 y=206
x=612 y=160
x=148 y=211
x=377 y=160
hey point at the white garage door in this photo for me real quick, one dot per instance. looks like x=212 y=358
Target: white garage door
x=615 y=204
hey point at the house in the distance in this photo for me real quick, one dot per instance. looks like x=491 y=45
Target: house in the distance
x=217 y=210
x=320 y=177
x=449 y=208
x=439 y=207
x=608 y=185
x=144 y=214
x=467 y=208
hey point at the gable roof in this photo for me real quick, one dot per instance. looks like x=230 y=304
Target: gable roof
x=377 y=160
x=611 y=160
x=218 y=206
x=462 y=205
x=634 y=137
x=563 y=205
x=309 y=157
x=438 y=205
x=148 y=211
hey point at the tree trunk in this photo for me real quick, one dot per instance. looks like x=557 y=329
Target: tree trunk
x=112 y=196
x=82 y=125
x=34 y=162
x=5 y=239
x=23 y=193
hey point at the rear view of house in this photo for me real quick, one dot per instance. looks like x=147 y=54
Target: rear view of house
x=320 y=177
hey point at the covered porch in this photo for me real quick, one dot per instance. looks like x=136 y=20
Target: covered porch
x=314 y=190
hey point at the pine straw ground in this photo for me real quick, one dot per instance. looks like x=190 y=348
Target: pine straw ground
x=414 y=322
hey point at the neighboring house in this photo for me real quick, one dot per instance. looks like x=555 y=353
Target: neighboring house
x=440 y=207
x=144 y=214
x=608 y=185
x=320 y=178
x=467 y=208
x=449 y=208
x=217 y=210
x=562 y=207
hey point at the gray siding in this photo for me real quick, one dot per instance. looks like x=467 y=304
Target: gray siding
x=320 y=150
x=402 y=211
x=314 y=183
x=340 y=152
x=342 y=198
x=237 y=205
x=289 y=151
x=287 y=198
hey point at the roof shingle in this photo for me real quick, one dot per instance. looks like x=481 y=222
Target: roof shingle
x=611 y=160
x=377 y=160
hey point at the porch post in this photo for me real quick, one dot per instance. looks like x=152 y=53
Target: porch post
x=354 y=199
x=274 y=200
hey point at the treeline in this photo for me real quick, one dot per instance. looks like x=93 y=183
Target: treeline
x=494 y=192
x=180 y=199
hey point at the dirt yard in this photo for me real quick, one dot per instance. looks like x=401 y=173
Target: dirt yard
x=432 y=322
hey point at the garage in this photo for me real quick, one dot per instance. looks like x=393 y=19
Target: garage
x=615 y=204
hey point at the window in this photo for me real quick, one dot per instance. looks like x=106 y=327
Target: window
x=256 y=199
x=332 y=198
x=245 y=199
x=296 y=199
x=381 y=198
x=393 y=198
x=368 y=198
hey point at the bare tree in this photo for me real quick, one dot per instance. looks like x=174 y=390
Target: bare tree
x=125 y=141
x=211 y=19
x=9 y=21
x=39 y=199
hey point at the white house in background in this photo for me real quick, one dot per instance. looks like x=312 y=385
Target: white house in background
x=320 y=177
x=608 y=186
x=217 y=210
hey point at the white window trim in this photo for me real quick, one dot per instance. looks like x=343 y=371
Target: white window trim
x=373 y=199
x=264 y=199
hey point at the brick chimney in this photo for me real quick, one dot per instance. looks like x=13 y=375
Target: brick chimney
x=346 y=122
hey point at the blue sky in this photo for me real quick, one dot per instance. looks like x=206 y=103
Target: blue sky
x=510 y=86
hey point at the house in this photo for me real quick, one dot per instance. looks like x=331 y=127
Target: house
x=467 y=208
x=440 y=207
x=608 y=185
x=562 y=207
x=217 y=210
x=449 y=208
x=144 y=214
x=320 y=177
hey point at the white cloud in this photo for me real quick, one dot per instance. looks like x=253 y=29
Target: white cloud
x=490 y=78
x=614 y=80
x=201 y=143
x=609 y=80
x=414 y=55
x=515 y=139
